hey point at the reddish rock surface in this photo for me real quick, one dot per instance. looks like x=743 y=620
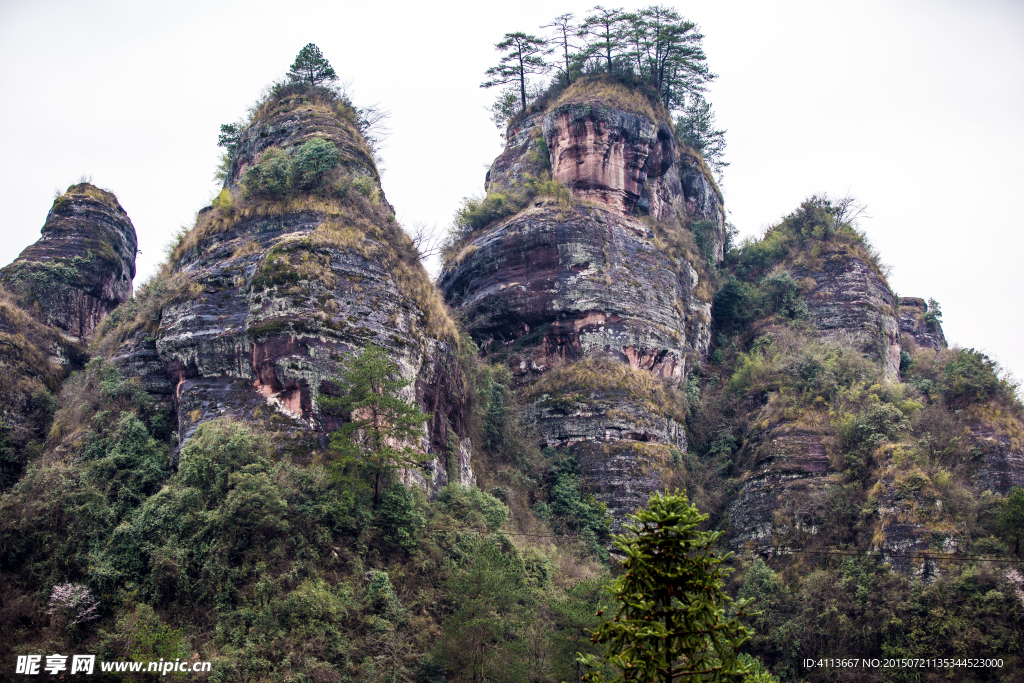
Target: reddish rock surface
x=607 y=156
x=554 y=285
x=82 y=266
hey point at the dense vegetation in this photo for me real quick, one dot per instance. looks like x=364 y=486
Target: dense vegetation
x=905 y=454
x=654 y=51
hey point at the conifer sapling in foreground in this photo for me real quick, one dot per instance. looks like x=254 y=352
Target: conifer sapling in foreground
x=671 y=622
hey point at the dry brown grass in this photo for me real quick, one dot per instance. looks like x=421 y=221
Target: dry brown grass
x=608 y=92
x=602 y=374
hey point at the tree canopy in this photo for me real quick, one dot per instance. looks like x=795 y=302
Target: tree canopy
x=524 y=55
x=311 y=67
x=696 y=127
x=382 y=421
x=671 y=623
x=655 y=48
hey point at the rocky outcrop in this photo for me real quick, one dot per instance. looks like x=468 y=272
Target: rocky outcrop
x=925 y=330
x=1002 y=458
x=272 y=297
x=606 y=155
x=847 y=300
x=592 y=282
x=623 y=425
x=82 y=266
x=34 y=359
x=912 y=527
x=785 y=478
x=295 y=117
x=614 y=274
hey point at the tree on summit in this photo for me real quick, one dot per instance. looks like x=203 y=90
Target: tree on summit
x=310 y=67
x=524 y=56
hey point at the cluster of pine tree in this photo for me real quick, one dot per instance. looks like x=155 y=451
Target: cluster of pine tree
x=654 y=49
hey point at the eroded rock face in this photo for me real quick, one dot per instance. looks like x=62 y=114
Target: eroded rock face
x=848 y=301
x=559 y=284
x=275 y=298
x=623 y=446
x=1002 y=461
x=912 y=525
x=82 y=266
x=914 y=323
x=606 y=155
x=594 y=281
x=783 y=489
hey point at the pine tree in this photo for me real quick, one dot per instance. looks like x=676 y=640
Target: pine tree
x=565 y=30
x=1011 y=519
x=671 y=623
x=607 y=27
x=310 y=67
x=696 y=127
x=382 y=423
x=524 y=56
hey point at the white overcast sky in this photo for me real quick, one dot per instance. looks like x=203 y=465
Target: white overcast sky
x=916 y=108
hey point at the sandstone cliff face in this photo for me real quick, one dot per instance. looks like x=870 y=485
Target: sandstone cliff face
x=82 y=266
x=1002 y=460
x=601 y=276
x=595 y=282
x=785 y=479
x=913 y=322
x=273 y=297
x=51 y=298
x=848 y=301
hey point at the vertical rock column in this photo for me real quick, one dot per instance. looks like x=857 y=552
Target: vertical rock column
x=591 y=301
x=83 y=265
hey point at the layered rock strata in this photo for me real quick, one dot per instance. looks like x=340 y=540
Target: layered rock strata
x=784 y=483
x=848 y=301
x=82 y=266
x=612 y=273
x=272 y=298
x=915 y=322
x=1002 y=458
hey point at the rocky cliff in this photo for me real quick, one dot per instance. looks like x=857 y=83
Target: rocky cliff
x=924 y=330
x=51 y=298
x=848 y=300
x=600 y=262
x=276 y=286
x=82 y=266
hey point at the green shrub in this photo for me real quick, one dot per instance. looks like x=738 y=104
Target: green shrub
x=783 y=295
x=399 y=518
x=223 y=202
x=269 y=177
x=970 y=377
x=570 y=510
x=472 y=506
x=312 y=161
